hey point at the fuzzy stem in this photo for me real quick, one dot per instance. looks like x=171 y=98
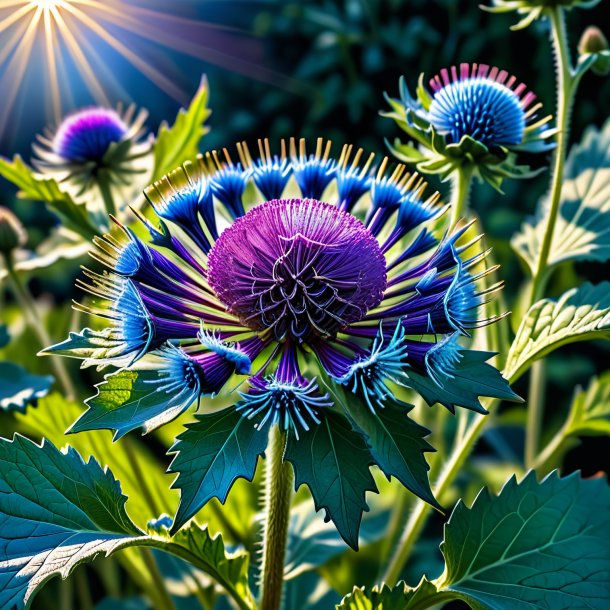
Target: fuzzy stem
x=28 y=306
x=566 y=90
x=460 y=192
x=163 y=600
x=106 y=193
x=278 y=495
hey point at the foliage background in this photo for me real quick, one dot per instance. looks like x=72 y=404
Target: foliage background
x=339 y=57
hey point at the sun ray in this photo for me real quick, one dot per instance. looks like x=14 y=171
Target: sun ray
x=52 y=65
x=7 y=22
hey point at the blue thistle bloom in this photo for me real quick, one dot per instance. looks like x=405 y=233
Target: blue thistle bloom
x=291 y=291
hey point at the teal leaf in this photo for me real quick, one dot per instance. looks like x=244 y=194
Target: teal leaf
x=130 y=399
x=396 y=443
x=582 y=229
x=535 y=545
x=74 y=216
x=333 y=461
x=211 y=455
x=18 y=388
x=180 y=142
x=580 y=314
x=4 y=336
x=56 y=511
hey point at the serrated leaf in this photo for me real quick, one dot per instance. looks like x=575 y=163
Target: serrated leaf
x=333 y=461
x=180 y=142
x=579 y=314
x=211 y=455
x=18 y=388
x=536 y=545
x=582 y=230
x=590 y=409
x=400 y=597
x=143 y=476
x=56 y=511
x=74 y=216
x=128 y=400
x=396 y=443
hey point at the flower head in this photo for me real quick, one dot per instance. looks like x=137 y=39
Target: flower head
x=472 y=115
x=284 y=283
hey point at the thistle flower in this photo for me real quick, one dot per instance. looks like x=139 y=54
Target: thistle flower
x=474 y=116
x=531 y=10
x=305 y=290
x=95 y=149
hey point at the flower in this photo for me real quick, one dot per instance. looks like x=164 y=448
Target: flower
x=304 y=290
x=95 y=148
x=473 y=116
x=534 y=9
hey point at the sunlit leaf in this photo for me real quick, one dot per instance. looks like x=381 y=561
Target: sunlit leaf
x=74 y=216
x=536 y=545
x=590 y=409
x=334 y=463
x=582 y=230
x=18 y=388
x=180 y=142
x=579 y=314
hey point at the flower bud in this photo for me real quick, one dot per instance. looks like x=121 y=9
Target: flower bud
x=12 y=233
x=593 y=42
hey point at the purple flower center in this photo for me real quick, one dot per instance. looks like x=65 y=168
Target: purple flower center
x=298 y=266
x=86 y=135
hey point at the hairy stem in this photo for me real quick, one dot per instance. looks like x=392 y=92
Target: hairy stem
x=278 y=495
x=566 y=90
x=162 y=598
x=28 y=306
x=462 y=180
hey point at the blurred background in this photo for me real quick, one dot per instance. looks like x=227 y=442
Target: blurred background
x=281 y=68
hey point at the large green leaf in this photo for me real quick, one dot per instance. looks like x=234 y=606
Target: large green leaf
x=56 y=511
x=180 y=142
x=74 y=216
x=536 y=545
x=579 y=314
x=211 y=454
x=333 y=461
x=582 y=231
x=143 y=476
x=128 y=400
x=18 y=388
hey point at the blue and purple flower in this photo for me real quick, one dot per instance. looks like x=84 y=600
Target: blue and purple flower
x=304 y=289
x=473 y=115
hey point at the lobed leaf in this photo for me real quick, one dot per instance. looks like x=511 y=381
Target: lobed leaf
x=579 y=314
x=18 y=388
x=590 y=409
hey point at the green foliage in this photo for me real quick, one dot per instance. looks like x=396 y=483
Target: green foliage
x=180 y=142
x=18 y=388
x=211 y=454
x=582 y=231
x=74 y=216
x=578 y=315
x=400 y=597
x=590 y=410
x=535 y=545
x=334 y=463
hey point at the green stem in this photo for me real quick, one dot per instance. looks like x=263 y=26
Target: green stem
x=566 y=89
x=106 y=193
x=548 y=455
x=162 y=598
x=462 y=180
x=279 y=482
x=28 y=306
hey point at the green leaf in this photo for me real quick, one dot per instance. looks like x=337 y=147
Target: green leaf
x=400 y=597
x=56 y=511
x=127 y=400
x=333 y=461
x=536 y=545
x=4 y=336
x=582 y=230
x=211 y=454
x=74 y=216
x=590 y=409
x=18 y=388
x=396 y=443
x=142 y=474
x=578 y=315
x=180 y=142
